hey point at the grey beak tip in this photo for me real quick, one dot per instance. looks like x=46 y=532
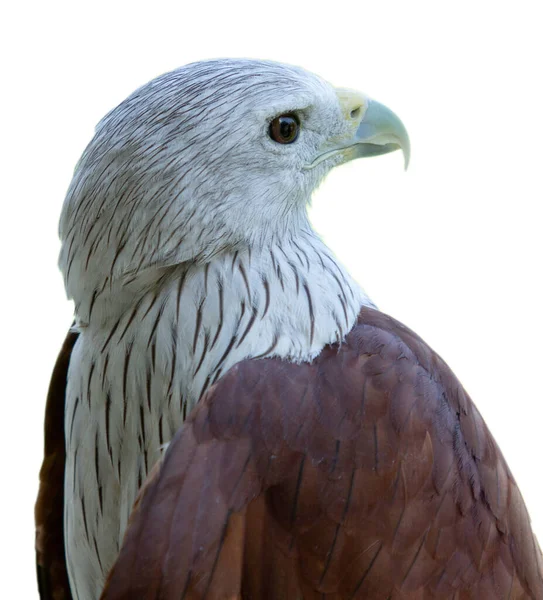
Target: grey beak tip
x=406 y=158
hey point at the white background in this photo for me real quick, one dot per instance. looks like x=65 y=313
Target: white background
x=452 y=247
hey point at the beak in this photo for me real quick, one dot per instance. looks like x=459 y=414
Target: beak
x=374 y=130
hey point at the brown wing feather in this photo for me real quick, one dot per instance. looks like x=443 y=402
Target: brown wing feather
x=49 y=511
x=366 y=474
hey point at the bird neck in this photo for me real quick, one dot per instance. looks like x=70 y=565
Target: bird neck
x=287 y=299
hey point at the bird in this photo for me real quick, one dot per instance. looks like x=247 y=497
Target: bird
x=231 y=416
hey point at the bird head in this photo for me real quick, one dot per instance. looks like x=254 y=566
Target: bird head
x=212 y=157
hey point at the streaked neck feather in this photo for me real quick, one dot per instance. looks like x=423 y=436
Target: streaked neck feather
x=287 y=300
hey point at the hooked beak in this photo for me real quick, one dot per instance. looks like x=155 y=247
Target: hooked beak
x=374 y=130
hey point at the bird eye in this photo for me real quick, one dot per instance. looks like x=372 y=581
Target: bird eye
x=284 y=129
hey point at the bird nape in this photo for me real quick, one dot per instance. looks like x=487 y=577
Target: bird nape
x=230 y=415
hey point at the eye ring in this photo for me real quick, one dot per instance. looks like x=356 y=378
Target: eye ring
x=285 y=128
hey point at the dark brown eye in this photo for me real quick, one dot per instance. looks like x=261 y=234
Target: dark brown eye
x=284 y=129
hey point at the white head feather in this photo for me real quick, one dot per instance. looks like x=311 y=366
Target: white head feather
x=184 y=169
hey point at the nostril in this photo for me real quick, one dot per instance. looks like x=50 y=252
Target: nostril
x=355 y=112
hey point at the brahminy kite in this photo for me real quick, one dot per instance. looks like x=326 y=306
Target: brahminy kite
x=230 y=415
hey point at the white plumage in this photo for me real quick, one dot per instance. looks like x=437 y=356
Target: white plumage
x=186 y=248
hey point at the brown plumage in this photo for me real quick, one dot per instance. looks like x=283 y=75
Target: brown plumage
x=49 y=511
x=368 y=473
